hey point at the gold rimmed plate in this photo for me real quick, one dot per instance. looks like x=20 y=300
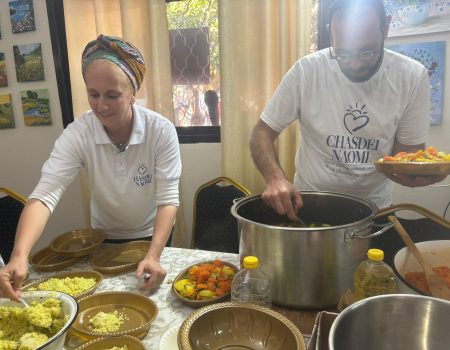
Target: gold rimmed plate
x=201 y=302
x=138 y=310
x=130 y=342
x=119 y=258
x=78 y=242
x=82 y=273
x=49 y=260
x=413 y=168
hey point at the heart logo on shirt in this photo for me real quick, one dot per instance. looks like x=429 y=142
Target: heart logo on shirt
x=355 y=120
x=142 y=169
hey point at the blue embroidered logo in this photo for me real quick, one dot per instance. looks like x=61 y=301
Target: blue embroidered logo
x=142 y=177
x=355 y=118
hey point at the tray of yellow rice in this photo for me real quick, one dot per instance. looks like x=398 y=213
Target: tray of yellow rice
x=119 y=258
x=112 y=314
x=124 y=342
x=78 y=284
x=43 y=324
x=78 y=242
x=49 y=260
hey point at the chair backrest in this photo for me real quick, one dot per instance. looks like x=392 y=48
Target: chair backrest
x=214 y=228
x=11 y=207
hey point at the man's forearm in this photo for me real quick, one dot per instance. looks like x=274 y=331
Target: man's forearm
x=262 y=147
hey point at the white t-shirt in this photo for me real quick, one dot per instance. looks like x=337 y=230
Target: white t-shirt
x=345 y=126
x=126 y=187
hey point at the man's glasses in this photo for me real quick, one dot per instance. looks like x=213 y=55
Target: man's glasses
x=346 y=57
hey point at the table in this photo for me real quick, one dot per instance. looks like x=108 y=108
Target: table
x=171 y=310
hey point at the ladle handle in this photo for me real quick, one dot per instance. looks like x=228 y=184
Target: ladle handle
x=405 y=206
x=407 y=240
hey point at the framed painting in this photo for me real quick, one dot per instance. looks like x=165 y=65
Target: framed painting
x=21 y=13
x=3 y=74
x=411 y=17
x=432 y=56
x=6 y=112
x=28 y=60
x=36 y=107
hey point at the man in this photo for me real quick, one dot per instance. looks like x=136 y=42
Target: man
x=355 y=102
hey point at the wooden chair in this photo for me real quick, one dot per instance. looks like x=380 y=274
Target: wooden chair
x=214 y=228
x=11 y=207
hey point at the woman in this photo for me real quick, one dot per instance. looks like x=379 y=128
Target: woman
x=132 y=158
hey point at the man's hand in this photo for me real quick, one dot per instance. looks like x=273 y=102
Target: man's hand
x=153 y=268
x=11 y=278
x=415 y=180
x=282 y=196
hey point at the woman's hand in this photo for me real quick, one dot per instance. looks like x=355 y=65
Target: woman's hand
x=153 y=273
x=11 y=278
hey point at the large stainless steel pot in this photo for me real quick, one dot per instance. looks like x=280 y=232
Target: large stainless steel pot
x=309 y=267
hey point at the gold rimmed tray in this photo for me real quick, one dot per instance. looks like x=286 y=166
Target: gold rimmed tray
x=49 y=260
x=78 y=242
x=82 y=273
x=200 y=303
x=130 y=342
x=119 y=258
x=413 y=168
x=138 y=310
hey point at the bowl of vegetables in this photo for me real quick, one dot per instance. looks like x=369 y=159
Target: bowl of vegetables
x=204 y=283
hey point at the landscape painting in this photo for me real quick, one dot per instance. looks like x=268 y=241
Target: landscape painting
x=3 y=75
x=28 y=60
x=6 y=112
x=432 y=56
x=21 y=13
x=36 y=107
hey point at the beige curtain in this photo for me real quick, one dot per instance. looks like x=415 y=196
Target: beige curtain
x=259 y=42
x=142 y=22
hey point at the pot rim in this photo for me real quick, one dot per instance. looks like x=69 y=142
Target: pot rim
x=240 y=201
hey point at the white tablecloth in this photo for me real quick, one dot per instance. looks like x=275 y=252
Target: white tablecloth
x=171 y=310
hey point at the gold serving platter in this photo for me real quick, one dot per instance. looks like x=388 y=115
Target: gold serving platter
x=200 y=303
x=119 y=258
x=82 y=273
x=413 y=168
x=138 y=310
x=130 y=342
x=78 y=242
x=49 y=260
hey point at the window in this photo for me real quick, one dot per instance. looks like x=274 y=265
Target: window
x=194 y=54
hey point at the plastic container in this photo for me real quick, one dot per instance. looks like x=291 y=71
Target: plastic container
x=374 y=277
x=251 y=284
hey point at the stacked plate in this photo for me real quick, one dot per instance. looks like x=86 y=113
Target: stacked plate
x=67 y=249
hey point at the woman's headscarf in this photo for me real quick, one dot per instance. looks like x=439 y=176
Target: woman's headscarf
x=118 y=51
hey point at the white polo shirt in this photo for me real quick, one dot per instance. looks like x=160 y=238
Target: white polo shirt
x=126 y=187
x=345 y=126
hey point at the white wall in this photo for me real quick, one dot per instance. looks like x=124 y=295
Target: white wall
x=23 y=150
x=431 y=197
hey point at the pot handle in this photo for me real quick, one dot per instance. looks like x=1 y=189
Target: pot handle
x=350 y=234
x=406 y=206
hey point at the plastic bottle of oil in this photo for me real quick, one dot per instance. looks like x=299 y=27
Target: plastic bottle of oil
x=374 y=277
x=251 y=284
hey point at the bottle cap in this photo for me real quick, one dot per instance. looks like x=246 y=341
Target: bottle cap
x=375 y=254
x=251 y=262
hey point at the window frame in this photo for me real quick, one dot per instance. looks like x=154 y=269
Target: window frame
x=55 y=13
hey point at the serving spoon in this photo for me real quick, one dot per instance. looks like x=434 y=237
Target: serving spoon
x=22 y=300
x=436 y=285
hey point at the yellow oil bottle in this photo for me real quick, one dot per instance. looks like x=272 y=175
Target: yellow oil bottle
x=374 y=277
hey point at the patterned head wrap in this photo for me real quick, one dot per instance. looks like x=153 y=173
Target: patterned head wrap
x=118 y=51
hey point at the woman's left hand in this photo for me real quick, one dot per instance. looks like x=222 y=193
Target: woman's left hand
x=154 y=273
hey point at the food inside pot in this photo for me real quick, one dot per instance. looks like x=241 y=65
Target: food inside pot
x=304 y=224
x=417 y=279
